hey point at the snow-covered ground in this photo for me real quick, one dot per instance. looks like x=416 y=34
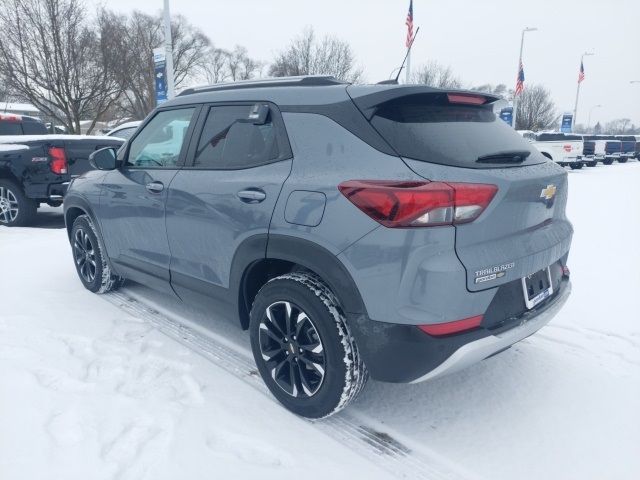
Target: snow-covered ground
x=135 y=386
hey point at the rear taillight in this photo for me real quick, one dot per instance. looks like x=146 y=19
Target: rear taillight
x=449 y=328
x=10 y=117
x=58 y=162
x=401 y=204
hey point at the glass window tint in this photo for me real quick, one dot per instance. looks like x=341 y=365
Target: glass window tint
x=422 y=127
x=10 y=128
x=159 y=143
x=124 y=133
x=230 y=141
x=34 y=128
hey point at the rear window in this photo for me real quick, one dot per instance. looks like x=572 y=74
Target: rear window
x=424 y=128
x=10 y=128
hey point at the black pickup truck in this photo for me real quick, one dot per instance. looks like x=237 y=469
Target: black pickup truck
x=36 y=169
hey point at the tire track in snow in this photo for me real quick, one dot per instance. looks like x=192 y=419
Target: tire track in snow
x=355 y=434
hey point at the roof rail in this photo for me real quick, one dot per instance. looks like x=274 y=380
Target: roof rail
x=302 y=81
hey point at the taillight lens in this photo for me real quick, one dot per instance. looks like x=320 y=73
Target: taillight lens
x=401 y=204
x=58 y=162
x=449 y=328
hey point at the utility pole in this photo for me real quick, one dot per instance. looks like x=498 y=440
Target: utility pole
x=575 y=108
x=515 y=96
x=169 y=51
x=591 y=110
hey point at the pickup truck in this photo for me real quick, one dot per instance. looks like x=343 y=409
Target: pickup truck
x=36 y=169
x=564 y=149
x=595 y=146
x=628 y=146
x=11 y=124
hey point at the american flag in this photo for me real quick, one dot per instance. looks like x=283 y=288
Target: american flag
x=409 y=23
x=520 y=80
x=581 y=74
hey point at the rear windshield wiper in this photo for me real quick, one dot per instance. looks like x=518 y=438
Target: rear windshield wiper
x=504 y=157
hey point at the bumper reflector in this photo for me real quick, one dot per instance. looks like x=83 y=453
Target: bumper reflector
x=448 y=328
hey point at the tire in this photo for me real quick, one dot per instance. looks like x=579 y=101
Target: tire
x=608 y=161
x=323 y=360
x=89 y=258
x=16 y=210
x=575 y=165
x=622 y=160
x=593 y=163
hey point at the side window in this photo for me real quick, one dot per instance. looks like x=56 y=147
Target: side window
x=34 y=128
x=124 y=133
x=159 y=143
x=230 y=140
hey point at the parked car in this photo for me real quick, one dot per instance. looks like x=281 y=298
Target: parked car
x=124 y=130
x=627 y=146
x=353 y=230
x=11 y=124
x=562 y=148
x=595 y=145
x=613 y=149
x=36 y=169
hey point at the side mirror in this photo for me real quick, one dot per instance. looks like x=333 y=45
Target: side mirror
x=103 y=159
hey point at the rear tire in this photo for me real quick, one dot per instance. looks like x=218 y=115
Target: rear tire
x=16 y=210
x=608 y=161
x=594 y=163
x=90 y=259
x=622 y=160
x=303 y=348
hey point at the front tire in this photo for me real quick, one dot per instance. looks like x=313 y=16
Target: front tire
x=303 y=348
x=90 y=259
x=16 y=210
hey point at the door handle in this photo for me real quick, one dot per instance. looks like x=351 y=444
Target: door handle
x=252 y=195
x=155 y=187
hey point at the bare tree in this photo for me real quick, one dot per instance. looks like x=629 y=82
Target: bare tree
x=436 y=75
x=53 y=57
x=536 y=110
x=307 y=55
x=500 y=89
x=619 y=126
x=133 y=40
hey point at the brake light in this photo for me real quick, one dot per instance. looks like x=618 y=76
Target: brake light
x=10 y=117
x=401 y=204
x=448 y=328
x=466 y=99
x=58 y=162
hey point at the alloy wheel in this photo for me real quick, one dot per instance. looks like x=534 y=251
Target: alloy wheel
x=85 y=255
x=292 y=349
x=8 y=206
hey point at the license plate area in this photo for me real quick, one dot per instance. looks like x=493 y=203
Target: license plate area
x=537 y=287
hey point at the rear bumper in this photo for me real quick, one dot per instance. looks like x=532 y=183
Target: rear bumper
x=405 y=354
x=478 y=350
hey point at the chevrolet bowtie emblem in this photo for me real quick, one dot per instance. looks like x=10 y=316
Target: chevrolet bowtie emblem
x=549 y=192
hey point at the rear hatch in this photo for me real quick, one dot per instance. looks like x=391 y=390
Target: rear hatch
x=446 y=137
x=628 y=144
x=589 y=147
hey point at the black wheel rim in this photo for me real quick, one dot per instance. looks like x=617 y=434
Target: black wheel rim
x=8 y=206
x=291 y=349
x=85 y=255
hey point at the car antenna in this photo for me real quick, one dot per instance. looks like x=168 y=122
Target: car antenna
x=394 y=81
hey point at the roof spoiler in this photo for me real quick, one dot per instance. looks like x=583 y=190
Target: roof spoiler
x=368 y=100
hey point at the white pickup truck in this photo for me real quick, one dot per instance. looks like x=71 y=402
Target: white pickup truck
x=563 y=148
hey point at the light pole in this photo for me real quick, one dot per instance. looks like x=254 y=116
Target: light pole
x=575 y=109
x=169 y=51
x=591 y=110
x=515 y=96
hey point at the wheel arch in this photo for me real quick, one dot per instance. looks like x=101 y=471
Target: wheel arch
x=284 y=254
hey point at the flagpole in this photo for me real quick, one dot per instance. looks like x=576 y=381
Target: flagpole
x=515 y=96
x=408 y=71
x=575 y=108
x=168 y=45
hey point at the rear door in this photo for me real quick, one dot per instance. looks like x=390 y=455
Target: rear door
x=524 y=228
x=225 y=194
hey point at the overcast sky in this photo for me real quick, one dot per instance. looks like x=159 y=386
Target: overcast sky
x=478 y=39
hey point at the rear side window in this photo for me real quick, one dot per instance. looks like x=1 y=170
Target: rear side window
x=124 y=133
x=230 y=141
x=34 y=128
x=425 y=128
x=10 y=128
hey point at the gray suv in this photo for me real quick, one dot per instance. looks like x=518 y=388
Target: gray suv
x=393 y=231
